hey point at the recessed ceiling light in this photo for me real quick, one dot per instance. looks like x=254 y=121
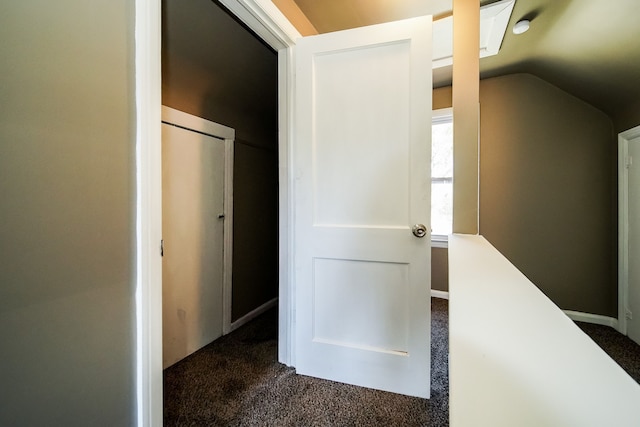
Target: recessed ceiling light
x=521 y=26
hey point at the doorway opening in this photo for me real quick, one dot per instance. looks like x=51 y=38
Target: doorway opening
x=214 y=70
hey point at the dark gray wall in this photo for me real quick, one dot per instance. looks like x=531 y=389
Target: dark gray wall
x=548 y=188
x=628 y=118
x=67 y=182
x=212 y=67
x=255 y=237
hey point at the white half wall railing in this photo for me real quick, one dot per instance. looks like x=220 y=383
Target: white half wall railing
x=516 y=359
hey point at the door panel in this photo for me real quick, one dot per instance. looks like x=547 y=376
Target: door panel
x=342 y=192
x=362 y=156
x=633 y=301
x=349 y=294
x=192 y=269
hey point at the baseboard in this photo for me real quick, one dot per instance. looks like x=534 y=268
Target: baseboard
x=596 y=319
x=439 y=294
x=253 y=314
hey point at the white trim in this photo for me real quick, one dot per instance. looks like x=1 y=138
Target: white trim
x=438 y=241
x=494 y=19
x=623 y=225
x=632 y=133
x=227 y=273
x=623 y=233
x=286 y=337
x=266 y=20
x=148 y=286
x=442 y=115
x=596 y=319
x=439 y=294
x=198 y=124
x=253 y=314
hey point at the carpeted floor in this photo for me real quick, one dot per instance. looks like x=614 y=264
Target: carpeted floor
x=236 y=381
x=621 y=348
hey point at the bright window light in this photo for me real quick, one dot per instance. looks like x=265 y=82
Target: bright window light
x=442 y=174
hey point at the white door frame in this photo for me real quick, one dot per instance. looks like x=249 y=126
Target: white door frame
x=623 y=225
x=148 y=279
x=267 y=21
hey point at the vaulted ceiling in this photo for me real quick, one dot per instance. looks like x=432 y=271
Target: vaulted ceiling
x=589 y=48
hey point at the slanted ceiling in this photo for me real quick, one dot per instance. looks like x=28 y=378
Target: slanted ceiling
x=589 y=48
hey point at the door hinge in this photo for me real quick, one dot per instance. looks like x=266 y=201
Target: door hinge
x=628 y=314
x=629 y=162
x=162 y=247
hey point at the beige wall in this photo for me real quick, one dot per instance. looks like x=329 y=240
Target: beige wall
x=442 y=98
x=212 y=67
x=548 y=189
x=439 y=269
x=466 y=116
x=67 y=207
x=291 y=10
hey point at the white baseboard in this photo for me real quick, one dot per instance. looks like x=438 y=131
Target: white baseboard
x=253 y=314
x=439 y=294
x=592 y=318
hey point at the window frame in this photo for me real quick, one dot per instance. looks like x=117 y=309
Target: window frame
x=439 y=116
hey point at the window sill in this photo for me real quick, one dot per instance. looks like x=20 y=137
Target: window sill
x=438 y=241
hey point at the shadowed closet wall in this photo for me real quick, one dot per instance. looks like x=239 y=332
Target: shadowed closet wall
x=548 y=188
x=214 y=68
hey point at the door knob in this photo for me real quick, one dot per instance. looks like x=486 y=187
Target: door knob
x=419 y=230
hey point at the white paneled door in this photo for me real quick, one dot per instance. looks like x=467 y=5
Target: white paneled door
x=193 y=232
x=362 y=185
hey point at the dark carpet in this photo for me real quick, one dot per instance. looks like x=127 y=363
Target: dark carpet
x=237 y=381
x=621 y=348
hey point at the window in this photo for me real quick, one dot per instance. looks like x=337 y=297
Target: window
x=441 y=175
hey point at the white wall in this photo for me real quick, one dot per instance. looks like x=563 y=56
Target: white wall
x=516 y=359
